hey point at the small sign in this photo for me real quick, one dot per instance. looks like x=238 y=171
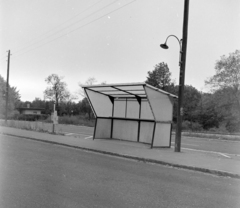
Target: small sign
x=55 y=120
x=54 y=117
x=181 y=111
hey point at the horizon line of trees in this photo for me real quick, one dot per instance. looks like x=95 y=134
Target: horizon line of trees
x=217 y=109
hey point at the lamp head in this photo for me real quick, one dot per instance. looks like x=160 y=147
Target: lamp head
x=164 y=46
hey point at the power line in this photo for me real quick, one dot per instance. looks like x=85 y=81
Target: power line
x=73 y=17
x=62 y=24
x=4 y=57
x=77 y=28
x=66 y=27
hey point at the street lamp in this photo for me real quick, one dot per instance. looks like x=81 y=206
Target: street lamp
x=165 y=46
x=179 y=107
x=182 y=63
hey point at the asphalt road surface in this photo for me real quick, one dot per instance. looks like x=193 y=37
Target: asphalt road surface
x=36 y=174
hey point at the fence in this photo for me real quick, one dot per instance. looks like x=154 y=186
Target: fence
x=32 y=125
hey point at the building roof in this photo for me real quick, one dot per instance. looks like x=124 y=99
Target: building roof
x=25 y=108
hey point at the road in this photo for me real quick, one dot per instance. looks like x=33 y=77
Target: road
x=203 y=144
x=35 y=174
x=212 y=145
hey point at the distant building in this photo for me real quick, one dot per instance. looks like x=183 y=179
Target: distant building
x=31 y=114
x=30 y=111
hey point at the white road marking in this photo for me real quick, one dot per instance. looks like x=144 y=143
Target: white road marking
x=205 y=151
x=88 y=137
x=224 y=155
x=68 y=133
x=187 y=144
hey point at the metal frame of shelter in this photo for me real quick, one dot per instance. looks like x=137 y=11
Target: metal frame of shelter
x=133 y=112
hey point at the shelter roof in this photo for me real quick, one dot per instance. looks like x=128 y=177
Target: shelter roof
x=126 y=90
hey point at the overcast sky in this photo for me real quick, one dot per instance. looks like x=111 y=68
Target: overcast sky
x=78 y=39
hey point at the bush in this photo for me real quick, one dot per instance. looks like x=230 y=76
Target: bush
x=76 y=120
x=195 y=126
x=68 y=120
x=221 y=129
x=233 y=126
x=27 y=117
x=190 y=126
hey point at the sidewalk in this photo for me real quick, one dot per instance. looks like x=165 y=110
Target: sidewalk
x=198 y=161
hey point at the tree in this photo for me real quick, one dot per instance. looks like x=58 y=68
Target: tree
x=227 y=72
x=68 y=103
x=191 y=99
x=160 y=77
x=206 y=112
x=38 y=103
x=90 y=81
x=13 y=98
x=46 y=105
x=57 y=89
x=86 y=108
x=225 y=85
x=227 y=108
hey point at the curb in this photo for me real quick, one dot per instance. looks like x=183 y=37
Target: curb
x=203 y=170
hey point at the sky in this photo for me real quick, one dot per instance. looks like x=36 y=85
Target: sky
x=114 y=41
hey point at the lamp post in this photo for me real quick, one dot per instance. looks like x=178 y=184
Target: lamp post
x=182 y=64
x=7 y=87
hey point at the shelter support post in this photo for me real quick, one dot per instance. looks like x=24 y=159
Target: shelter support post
x=112 y=100
x=95 y=128
x=139 y=122
x=153 y=135
x=170 y=140
x=111 y=136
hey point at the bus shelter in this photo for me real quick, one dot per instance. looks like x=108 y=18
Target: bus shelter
x=134 y=112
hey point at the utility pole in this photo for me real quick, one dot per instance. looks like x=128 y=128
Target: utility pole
x=53 y=129
x=7 y=87
x=182 y=78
